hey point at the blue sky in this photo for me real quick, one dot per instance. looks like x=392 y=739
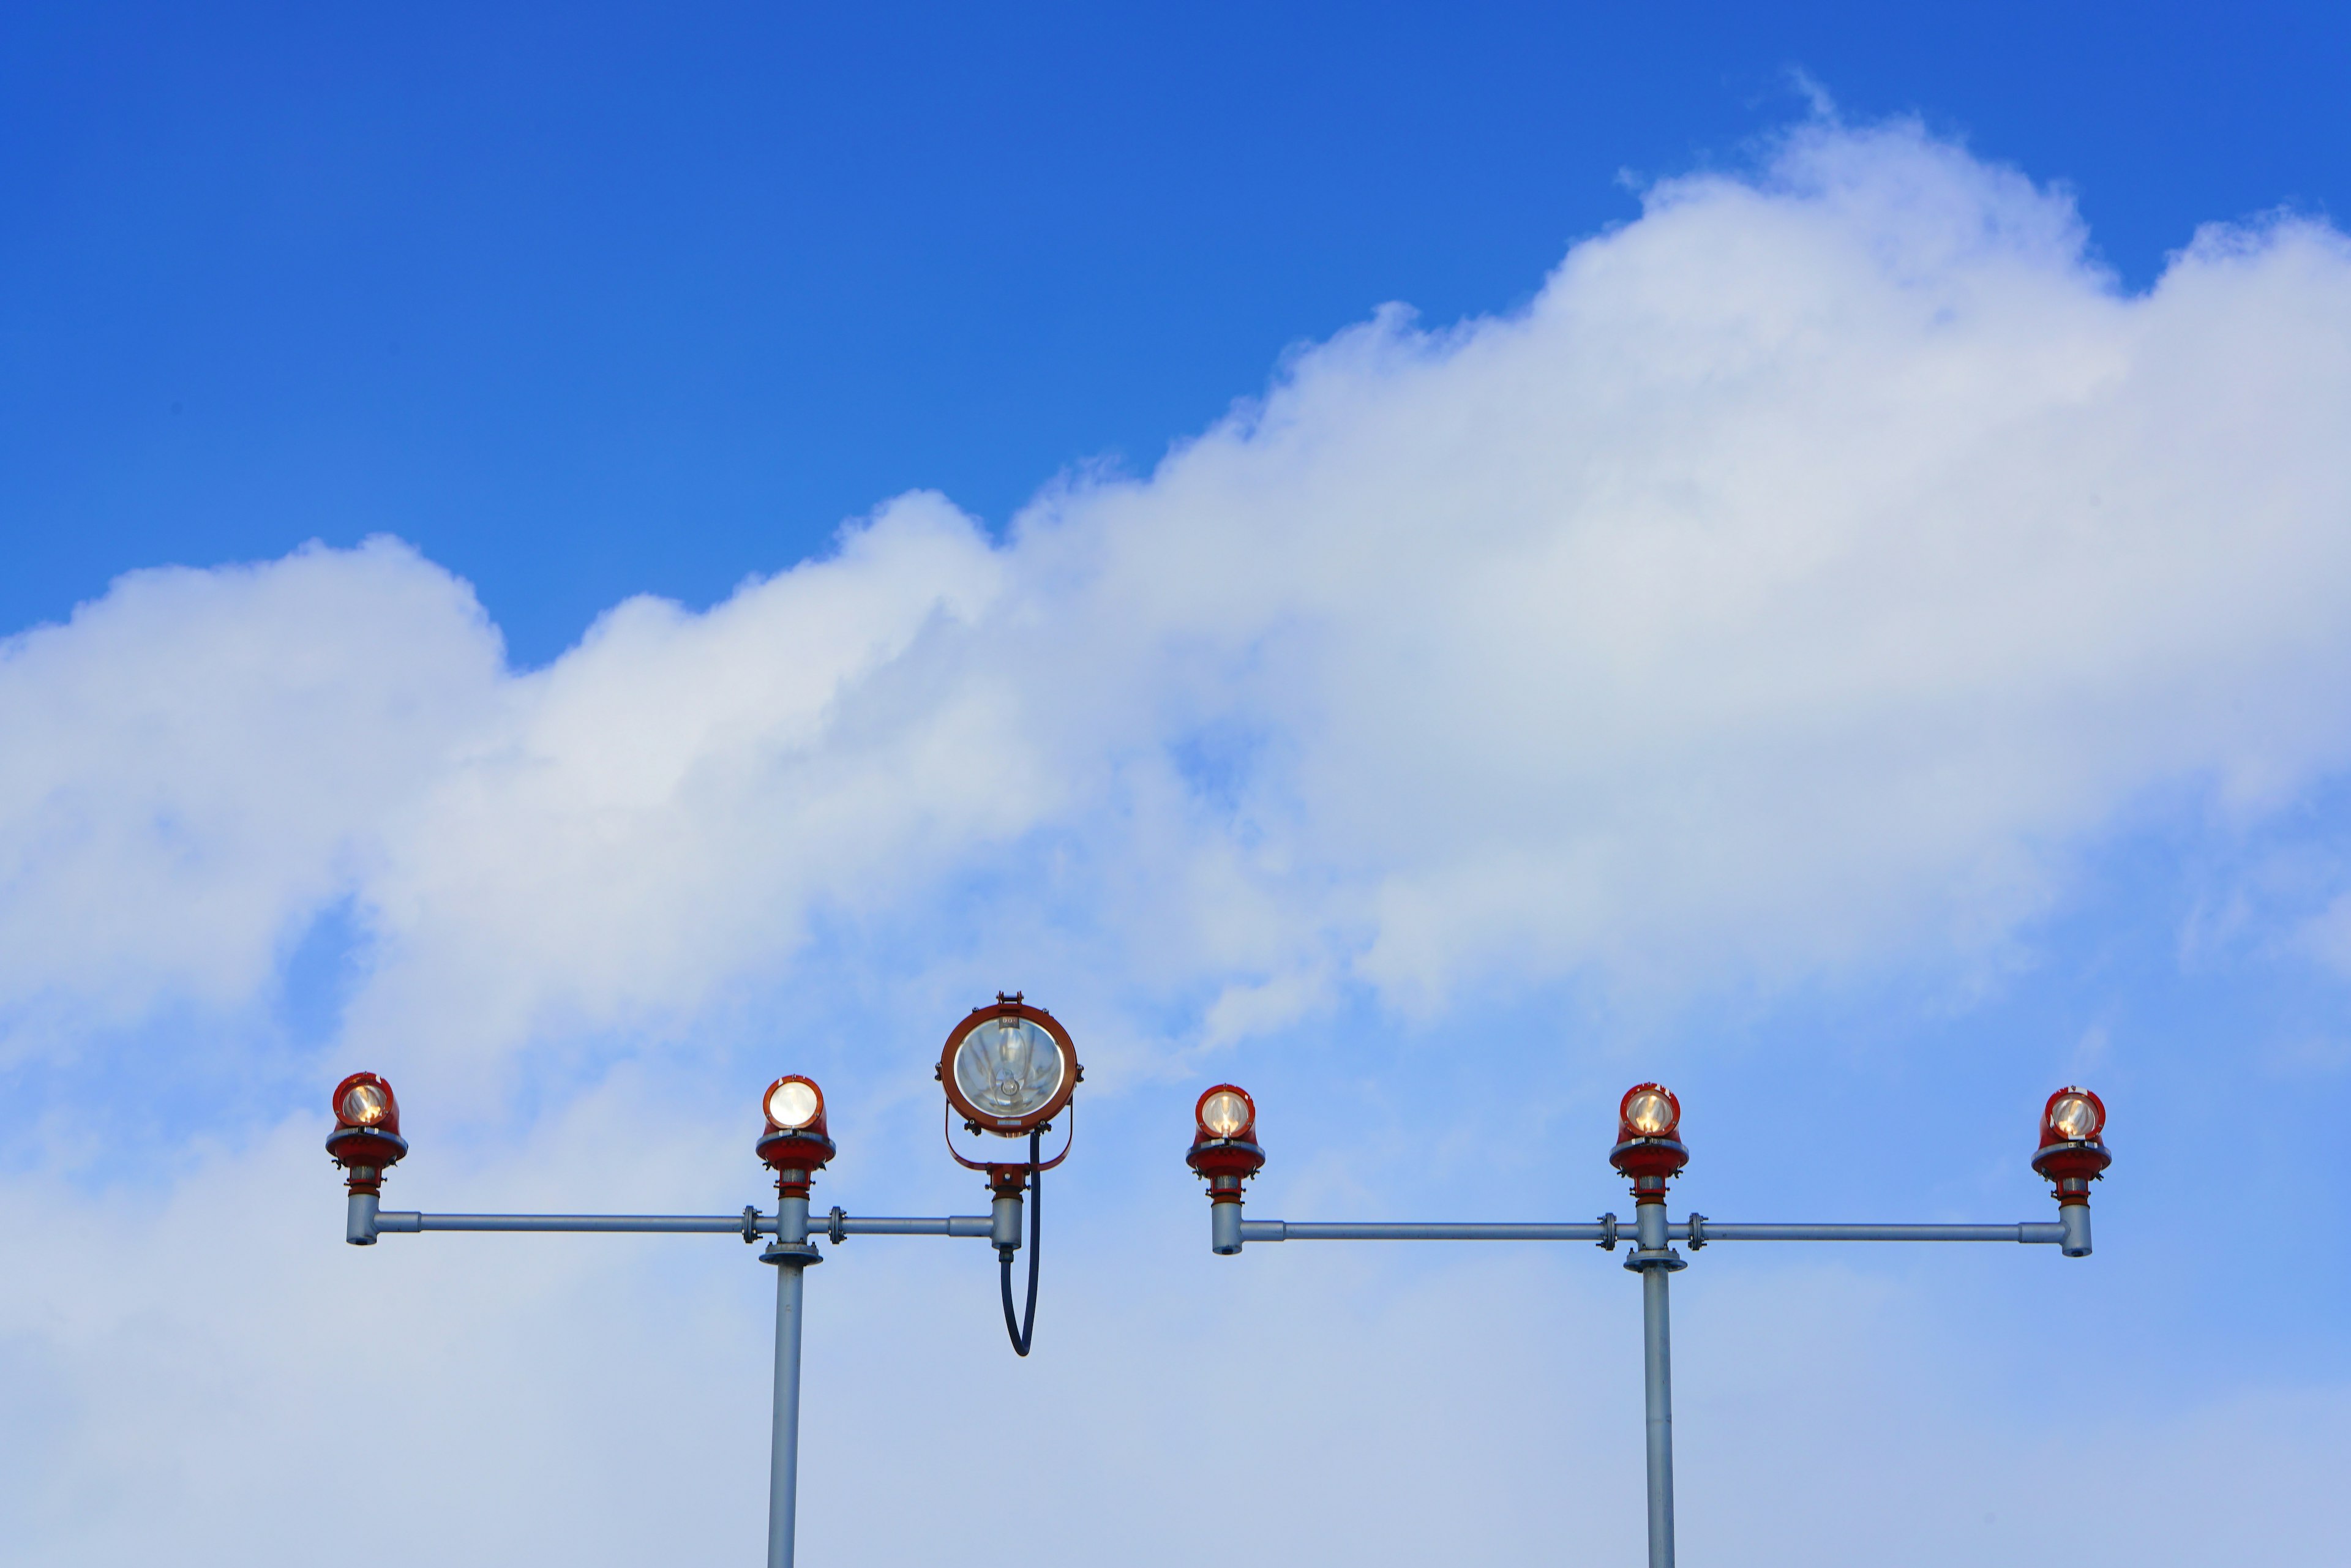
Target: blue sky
x=1436 y=564
x=603 y=300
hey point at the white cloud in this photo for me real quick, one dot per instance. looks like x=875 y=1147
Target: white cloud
x=1799 y=580
x=203 y=758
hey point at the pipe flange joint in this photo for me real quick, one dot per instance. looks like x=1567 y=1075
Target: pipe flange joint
x=792 y=1254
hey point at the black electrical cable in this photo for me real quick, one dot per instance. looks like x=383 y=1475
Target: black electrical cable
x=1023 y=1329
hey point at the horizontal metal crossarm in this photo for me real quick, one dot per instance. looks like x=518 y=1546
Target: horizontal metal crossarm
x=745 y=1225
x=1712 y=1230
x=857 y=1225
x=1707 y=1231
x=1292 y=1230
x=715 y=1225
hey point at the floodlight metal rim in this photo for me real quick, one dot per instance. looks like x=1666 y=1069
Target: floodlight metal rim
x=1030 y=1121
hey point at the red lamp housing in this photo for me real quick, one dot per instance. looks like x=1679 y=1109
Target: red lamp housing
x=2073 y=1151
x=794 y=1145
x=366 y=1141
x=1223 y=1147
x=1649 y=1145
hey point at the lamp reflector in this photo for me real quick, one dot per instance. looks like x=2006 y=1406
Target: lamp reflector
x=2076 y=1117
x=792 y=1103
x=363 y=1106
x=1650 y=1113
x=1008 y=1067
x=1224 y=1114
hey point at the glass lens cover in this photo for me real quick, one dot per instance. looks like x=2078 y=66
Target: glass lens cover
x=791 y=1104
x=1224 y=1114
x=365 y=1105
x=1649 y=1113
x=1009 y=1068
x=2075 y=1116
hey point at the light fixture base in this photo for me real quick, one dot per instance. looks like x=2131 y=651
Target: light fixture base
x=1670 y=1261
x=791 y=1254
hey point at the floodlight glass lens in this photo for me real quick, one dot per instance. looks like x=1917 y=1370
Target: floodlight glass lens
x=1224 y=1114
x=2076 y=1116
x=791 y=1104
x=1009 y=1068
x=1649 y=1113
x=365 y=1105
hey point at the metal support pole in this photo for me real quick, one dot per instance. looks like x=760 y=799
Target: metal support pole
x=791 y=1254
x=1004 y=1225
x=1658 y=1389
x=2074 y=1223
x=1655 y=1260
x=359 y=1223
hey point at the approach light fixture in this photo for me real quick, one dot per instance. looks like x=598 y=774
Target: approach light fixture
x=2072 y=1154
x=366 y=1141
x=1008 y=1069
x=1649 y=1145
x=1225 y=1151
x=794 y=1145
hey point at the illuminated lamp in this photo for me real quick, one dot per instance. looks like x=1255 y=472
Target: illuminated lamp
x=2073 y=1151
x=1649 y=1143
x=794 y=1145
x=366 y=1141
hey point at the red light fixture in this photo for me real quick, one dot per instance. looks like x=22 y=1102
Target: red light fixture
x=2073 y=1151
x=1225 y=1150
x=366 y=1141
x=1648 y=1140
x=794 y=1145
x=1225 y=1147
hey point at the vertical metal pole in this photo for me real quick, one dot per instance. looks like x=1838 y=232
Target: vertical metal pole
x=1656 y=1260
x=1657 y=1385
x=791 y=1255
